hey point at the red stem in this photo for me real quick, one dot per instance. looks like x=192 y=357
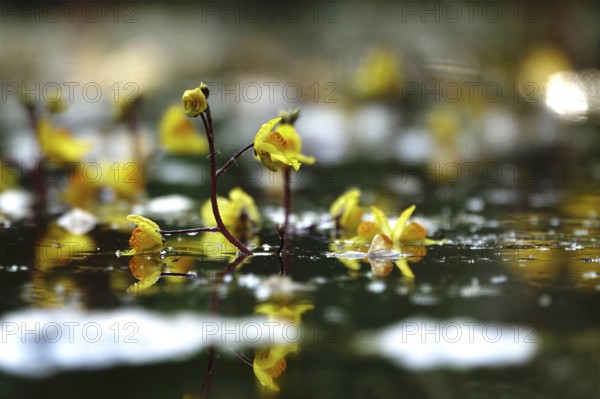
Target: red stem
x=235 y=156
x=287 y=196
x=207 y=120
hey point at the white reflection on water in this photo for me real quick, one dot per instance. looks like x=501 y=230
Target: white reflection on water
x=41 y=342
x=424 y=343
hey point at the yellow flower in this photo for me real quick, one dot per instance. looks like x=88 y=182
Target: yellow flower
x=279 y=148
x=124 y=179
x=346 y=210
x=402 y=233
x=380 y=75
x=194 y=101
x=58 y=145
x=145 y=238
x=178 y=135
x=407 y=238
x=239 y=212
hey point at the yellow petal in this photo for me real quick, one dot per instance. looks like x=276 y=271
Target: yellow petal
x=401 y=223
x=381 y=221
x=413 y=232
x=265 y=130
x=194 y=102
x=145 y=283
x=245 y=203
x=349 y=199
x=178 y=134
x=367 y=230
x=208 y=217
x=144 y=238
x=288 y=132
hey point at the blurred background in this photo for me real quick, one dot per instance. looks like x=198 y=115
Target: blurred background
x=485 y=115
x=496 y=93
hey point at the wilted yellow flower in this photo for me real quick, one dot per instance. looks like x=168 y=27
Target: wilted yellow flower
x=194 y=101
x=178 y=134
x=145 y=238
x=279 y=148
x=346 y=210
x=58 y=145
x=239 y=212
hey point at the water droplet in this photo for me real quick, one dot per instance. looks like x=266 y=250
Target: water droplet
x=193 y=233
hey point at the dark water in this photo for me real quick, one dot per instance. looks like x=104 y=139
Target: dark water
x=506 y=307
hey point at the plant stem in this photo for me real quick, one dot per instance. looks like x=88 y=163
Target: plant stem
x=287 y=197
x=214 y=229
x=207 y=120
x=233 y=158
x=282 y=241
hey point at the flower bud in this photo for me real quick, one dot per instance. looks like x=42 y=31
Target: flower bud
x=194 y=102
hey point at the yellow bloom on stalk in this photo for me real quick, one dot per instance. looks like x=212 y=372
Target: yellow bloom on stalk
x=145 y=238
x=178 y=134
x=346 y=211
x=279 y=148
x=58 y=145
x=194 y=101
x=269 y=363
x=239 y=212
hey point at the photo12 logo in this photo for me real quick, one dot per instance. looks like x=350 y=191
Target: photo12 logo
x=69 y=12
x=491 y=12
x=272 y=92
x=68 y=331
x=269 y=12
x=69 y=92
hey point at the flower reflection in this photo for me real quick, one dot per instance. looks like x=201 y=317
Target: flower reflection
x=147 y=269
x=58 y=247
x=269 y=363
